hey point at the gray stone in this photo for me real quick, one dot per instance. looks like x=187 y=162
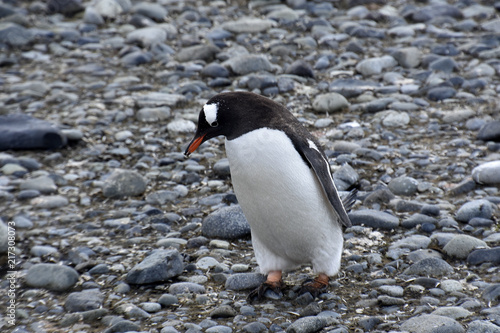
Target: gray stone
x=408 y=57
x=308 y=325
x=219 y=329
x=181 y=126
x=197 y=52
x=250 y=63
x=454 y=312
x=487 y=173
x=42 y=250
x=161 y=197
x=478 y=208
x=123 y=326
x=108 y=8
x=4 y=237
x=52 y=277
x=147 y=36
x=433 y=267
x=92 y=16
x=330 y=102
x=432 y=324
x=168 y=300
x=492 y=293
x=223 y=311
x=43 y=184
x=15 y=35
x=391 y=118
x=412 y=242
x=374 y=66
x=124 y=183
x=477 y=257
x=186 y=287
x=50 y=202
x=403 y=185
x=244 y=281
x=85 y=300
x=461 y=246
x=160 y=265
x=482 y=326
x=345 y=177
x=374 y=219
x=152 y=10
x=156 y=99
x=248 y=25
x=226 y=223
x=490 y=131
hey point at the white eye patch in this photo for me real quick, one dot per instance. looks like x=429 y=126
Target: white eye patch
x=210 y=111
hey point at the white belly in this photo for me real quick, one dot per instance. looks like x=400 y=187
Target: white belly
x=291 y=219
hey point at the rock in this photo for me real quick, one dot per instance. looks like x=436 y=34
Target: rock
x=487 y=173
x=393 y=118
x=43 y=184
x=123 y=326
x=152 y=115
x=307 y=325
x=431 y=324
x=374 y=219
x=434 y=267
x=124 y=183
x=181 y=126
x=85 y=300
x=345 y=177
x=157 y=99
x=52 y=277
x=42 y=250
x=108 y=8
x=374 y=66
x=250 y=63
x=490 y=131
x=197 y=52
x=15 y=35
x=152 y=10
x=461 y=246
x=223 y=311
x=482 y=326
x=300 y=68
x=409 y=57
x=226 y=223
x=430 y=12
x=168 y=300
x=147 y=36
x=330 y=102
x=248 y=25
x=92 y=16
x=4 y=239
x=413 y=242
x=160 y=265
x=50 y=202
x=68 y=8
x=440 y=93
x=186 y=287
x=403 y=185
x=477 y=208
x=492 y=293
x=477 y=257
x=214 y=70
x=20 y=131
x=244 y=281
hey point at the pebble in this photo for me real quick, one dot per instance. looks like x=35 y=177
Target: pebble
x=84 y=300
x=331 y=102
x=51 y=277
x=307 y=324
x=249 y=64
x=374 y=219
x=476 y=208
x=487 y=173
x=434 y=267
x=160 y=265
x=124 y=183
x=244 y=281
x=50 y=202
x=186 y=287
x=477 y=257
x=461 y=246
x=429 y=322
x=226 y=223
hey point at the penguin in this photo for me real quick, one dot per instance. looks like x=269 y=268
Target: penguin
x=282 y=180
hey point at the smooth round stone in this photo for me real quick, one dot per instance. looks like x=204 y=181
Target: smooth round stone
x=490 y=131
x=433 y=267
x=492 y=293
x=345 y=177
x=461 y=246
x=482 y=326
x=206 y=263
x=22 y=222
x=186 y=287
x=240 y=268
x=454 y=312
x=44 y=184
x=393 y=118
x=92 y=16
x=168 y=300
x=395 y=291
x=300 y=68
x=214 y=70
x=374 y=66
x=478 y=208
x=99 y=269
x=440 y=93
x=374 y=219
x=152 y=10
x=418 y=219
x=108 y=8
x=250 y=63
x=413 y=242
x=244 y=281
x=403 y=185
x=308 y=324
x=445 y=64
x=181 y=126
x=50 y=202
x=427 y=323
x=52 y=277
x=219 y=329
x=409 y=57
x=487 y=173
x=151 y=307
x=451 y=286
x=226 y=223
x=248 y=25
x=480 y=256
x=124 y=183
x=416 y=256
x=13 y=169
x=197 y=52
x=42 y=250
x=159 y=266
x=330 y=102
x=85 y=300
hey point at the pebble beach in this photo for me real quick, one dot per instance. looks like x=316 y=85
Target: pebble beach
x=108 y=227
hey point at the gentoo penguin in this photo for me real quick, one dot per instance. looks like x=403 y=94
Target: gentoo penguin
x=283 y=184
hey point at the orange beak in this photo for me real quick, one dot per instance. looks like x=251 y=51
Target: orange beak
x=194 y=145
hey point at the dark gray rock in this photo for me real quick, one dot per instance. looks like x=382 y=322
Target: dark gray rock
x=226 y=223
x=374 y=219
x=482 y=326
x=67 y=7
x=52 y=277
x=480 y=256
x=198 y=52
x=440 y=93
x=417 y=219
x=168 y=300
x=214 y=70
x=160 y=265
x=430 y=12
x=444 y=64
x=492 y=293
x=433 y=267
x=85 y=300
x=152 y=10
x=300 y=68
x=244 y=281
x=124 y=183
x=223 y=311
x=136 y=58
x=345 y=177
x=490 y=131
x=19 y=131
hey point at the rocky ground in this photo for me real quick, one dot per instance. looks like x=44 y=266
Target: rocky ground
x=117 y=231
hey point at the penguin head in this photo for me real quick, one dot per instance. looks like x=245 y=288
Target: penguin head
x=231 y=114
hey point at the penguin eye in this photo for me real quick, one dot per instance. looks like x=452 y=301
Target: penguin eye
x=214 y=124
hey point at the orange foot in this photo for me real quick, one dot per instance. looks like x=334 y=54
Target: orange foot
x=273 y=283
x=316 y=286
